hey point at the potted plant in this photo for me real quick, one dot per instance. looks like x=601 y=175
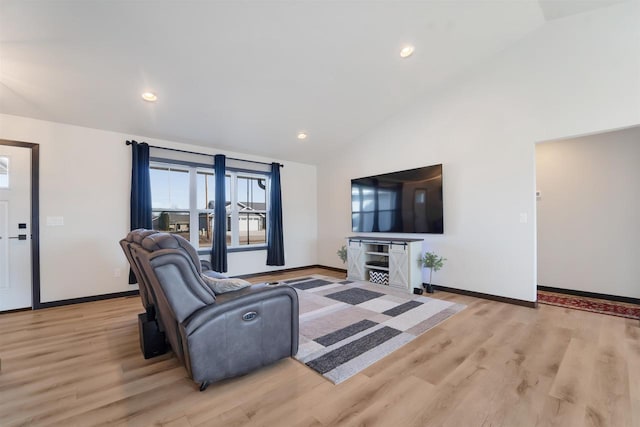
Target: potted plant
x=342 y=253
x=433 y=262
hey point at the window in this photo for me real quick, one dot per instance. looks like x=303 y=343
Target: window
x=4 y=172
x=183 y=201
x=248 y=216
x=170 y=200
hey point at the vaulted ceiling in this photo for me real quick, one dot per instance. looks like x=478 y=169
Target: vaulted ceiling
x=246 y=76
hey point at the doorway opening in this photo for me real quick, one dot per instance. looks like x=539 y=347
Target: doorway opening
x=25 y=227
x=587 y=203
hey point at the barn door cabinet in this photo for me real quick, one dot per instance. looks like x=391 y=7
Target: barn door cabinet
x=385 y=261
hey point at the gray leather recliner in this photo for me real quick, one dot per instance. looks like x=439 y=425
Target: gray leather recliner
x=134 y=239
x=215 y=336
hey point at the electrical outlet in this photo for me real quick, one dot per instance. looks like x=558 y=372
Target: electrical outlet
x=117 y=272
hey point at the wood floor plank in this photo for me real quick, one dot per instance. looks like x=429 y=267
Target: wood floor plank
x=514 y=391
x=493 y=364
x=390 y=408
x=295 y=409
x=609 y=401
x=141 y=409
x=178 y=422
x=262 y=406
x=347 y=399
x=510 y=400
x=560 y=413
x=574 y=375
x=632 y=345
x=448 y=396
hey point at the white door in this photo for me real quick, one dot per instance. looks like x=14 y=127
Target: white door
x=355 y=261
x=15 y=227
x=398 y=266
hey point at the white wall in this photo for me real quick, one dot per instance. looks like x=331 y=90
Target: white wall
x=588 y=225
x=573 y=76
x=85 y=178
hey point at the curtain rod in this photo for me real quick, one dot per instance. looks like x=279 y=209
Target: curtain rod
x=203 y=154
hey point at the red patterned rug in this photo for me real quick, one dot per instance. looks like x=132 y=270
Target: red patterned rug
x=612 y=308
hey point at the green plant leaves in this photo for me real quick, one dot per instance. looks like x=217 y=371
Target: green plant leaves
x=432 y=261
x=342 y=253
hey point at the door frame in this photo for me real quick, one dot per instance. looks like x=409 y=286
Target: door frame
x=35 y=217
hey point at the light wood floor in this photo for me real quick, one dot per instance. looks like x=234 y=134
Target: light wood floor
x=493 y=364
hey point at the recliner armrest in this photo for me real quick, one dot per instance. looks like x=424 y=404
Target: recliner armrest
x=252 y=328
x=249 y=290
x=232 y=300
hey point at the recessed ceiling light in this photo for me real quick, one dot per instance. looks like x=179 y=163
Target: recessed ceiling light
x=149 y=96
x=406 y=51
x=302 y=135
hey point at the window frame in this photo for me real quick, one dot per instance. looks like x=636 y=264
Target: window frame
x=193 y=168
x=8 y=174
x=235 y=210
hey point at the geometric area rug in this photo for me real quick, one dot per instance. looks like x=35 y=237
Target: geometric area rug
x=631 y=311
x=346 y=326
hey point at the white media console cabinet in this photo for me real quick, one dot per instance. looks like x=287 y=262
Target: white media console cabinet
x=385 y=261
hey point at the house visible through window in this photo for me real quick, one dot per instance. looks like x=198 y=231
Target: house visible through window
x=183 y=201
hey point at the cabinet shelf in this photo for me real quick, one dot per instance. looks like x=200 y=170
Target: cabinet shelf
x=378 y=253
x=376 y=267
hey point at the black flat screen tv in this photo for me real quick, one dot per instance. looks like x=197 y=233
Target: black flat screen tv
x=408 y=201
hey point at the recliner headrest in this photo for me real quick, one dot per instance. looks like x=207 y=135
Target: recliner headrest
x=137 y=235
x=156 y=241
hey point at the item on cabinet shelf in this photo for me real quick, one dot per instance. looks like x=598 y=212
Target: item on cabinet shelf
x=433 y=262
x=379 y=277
x=379 y=263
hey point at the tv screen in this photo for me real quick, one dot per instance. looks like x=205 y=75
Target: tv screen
x=408 y=201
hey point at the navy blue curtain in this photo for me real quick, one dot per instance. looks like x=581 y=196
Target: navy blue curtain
x=275 y=241
x=140 y=191
x=376 y=206
x=219 y=247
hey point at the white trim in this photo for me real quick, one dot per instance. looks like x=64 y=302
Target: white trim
x=4 y=243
